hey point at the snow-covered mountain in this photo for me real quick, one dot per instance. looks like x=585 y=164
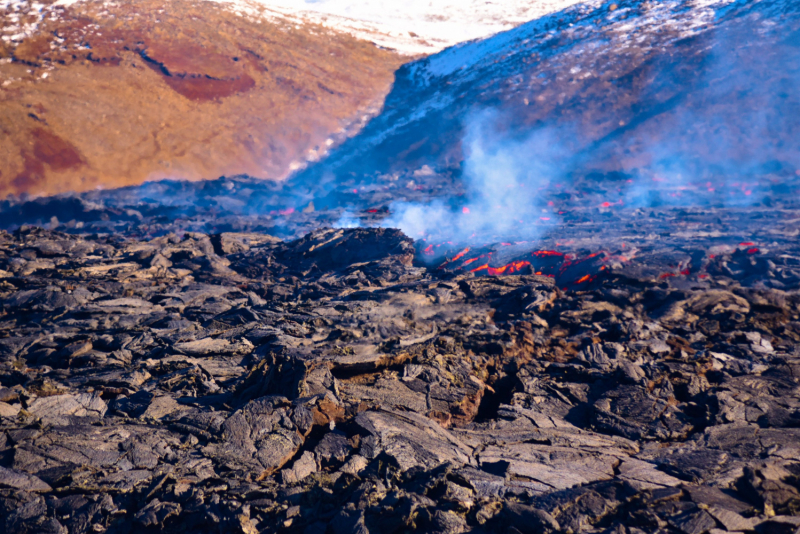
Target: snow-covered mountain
x=673 y=90
x=665 y=90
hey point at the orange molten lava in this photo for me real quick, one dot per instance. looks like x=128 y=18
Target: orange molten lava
x=511 y=268
x=460 y=254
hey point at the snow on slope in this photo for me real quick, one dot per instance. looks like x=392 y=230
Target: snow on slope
x=625 y=27
x=623 y=82
x=411 y=26
x=630 y=23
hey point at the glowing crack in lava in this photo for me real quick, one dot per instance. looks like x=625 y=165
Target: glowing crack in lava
x=593 y=270
x=568 y=269
x=572 y=271
x=512 y=268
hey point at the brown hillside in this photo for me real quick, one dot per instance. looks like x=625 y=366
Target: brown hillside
x=104 y=96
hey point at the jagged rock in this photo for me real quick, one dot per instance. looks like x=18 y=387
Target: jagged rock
x=334 y=446
x=21 y=481
x=529 y=519
x=545 y=468
x=694 y=522
x=779 y=525
x=411 y=440
x=329 y=382
x=208 y=346
x=644 y=475
x=262 y=436
x=58 y=408
x=333 y=249
x=303 y=467
x=156 y=512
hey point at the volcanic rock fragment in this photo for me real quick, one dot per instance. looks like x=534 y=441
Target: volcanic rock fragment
x=21 y=481
x=261 y=437
x=58 y=408
x=411 y=440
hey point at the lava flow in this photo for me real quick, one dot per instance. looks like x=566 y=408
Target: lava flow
x=569 y=269
x=512 y=268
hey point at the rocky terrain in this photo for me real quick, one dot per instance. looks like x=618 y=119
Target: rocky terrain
x=101 y=95
x=342 y=382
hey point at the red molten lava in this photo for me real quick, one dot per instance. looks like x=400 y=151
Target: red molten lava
x=511 y=268
x=470 y=261
x=684 y=272
x=569 y=270
x=460 y=254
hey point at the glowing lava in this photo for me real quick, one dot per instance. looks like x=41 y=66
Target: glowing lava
x=514 y=267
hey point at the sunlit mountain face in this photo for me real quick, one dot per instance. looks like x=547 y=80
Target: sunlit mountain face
x=197 y=89
x=99 y=95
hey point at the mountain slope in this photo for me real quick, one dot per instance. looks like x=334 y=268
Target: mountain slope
x=674 y=88
x=94 y=94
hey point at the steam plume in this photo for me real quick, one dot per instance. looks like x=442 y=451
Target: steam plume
x=504 y=178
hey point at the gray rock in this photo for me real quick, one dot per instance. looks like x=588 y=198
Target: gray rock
x=22 y=481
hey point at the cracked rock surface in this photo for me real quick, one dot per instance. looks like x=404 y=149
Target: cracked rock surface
x=333 y=384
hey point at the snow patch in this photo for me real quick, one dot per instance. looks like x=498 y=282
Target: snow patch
x=411 y=27
x=418 y=26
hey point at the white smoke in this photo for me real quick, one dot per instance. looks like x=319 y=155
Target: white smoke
x=504 y=178
x=347 y=220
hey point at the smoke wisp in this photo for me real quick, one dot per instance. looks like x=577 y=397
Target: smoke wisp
x=504 y=179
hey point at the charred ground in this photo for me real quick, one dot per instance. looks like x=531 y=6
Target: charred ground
x=354 y=380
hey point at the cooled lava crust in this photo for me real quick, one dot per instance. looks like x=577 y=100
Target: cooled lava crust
x=344 y=382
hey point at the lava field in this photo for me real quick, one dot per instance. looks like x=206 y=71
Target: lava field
x=630 y=370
